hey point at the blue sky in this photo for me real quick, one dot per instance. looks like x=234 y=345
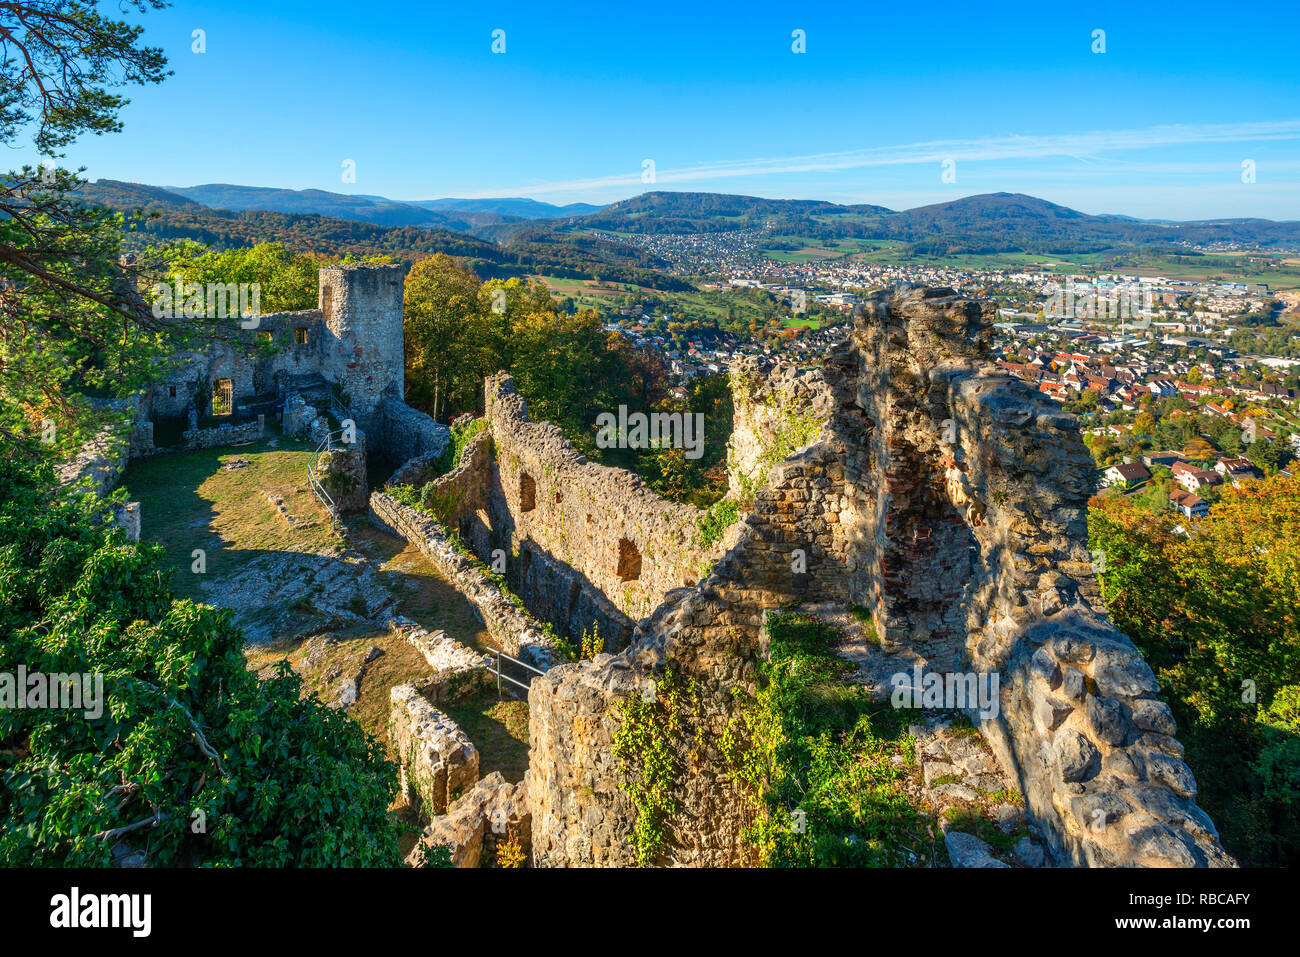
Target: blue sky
x=1156 y=126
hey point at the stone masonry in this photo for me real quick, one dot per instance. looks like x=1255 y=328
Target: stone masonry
x=949 y=501
x=438 y=761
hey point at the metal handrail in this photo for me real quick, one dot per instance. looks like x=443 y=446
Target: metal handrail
x=523 y=664
x=340 y=411
x=324 y=497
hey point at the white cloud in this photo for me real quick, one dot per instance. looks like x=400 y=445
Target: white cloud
x=1079 y=145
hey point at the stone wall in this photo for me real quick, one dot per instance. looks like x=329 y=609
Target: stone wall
x=98 y=465
x=298 y=416
x=284 y=350
x=983 y=566
x=950 y=501
x=457 y=671
x=512 y=628
x=437 y=759
x=585 y=541
x=462 y=492
x=475 y=825
x=222 y=436
x=405 y=433
x=777 y=410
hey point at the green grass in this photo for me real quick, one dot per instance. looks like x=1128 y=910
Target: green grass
x=499 y=729
x=188 y=501
x=970 y=822
x=821 y=746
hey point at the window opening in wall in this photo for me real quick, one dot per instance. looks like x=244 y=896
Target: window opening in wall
x=629 y=561
x=171 y=391
x=223 y=397
x=527 y=492
x=300 y=336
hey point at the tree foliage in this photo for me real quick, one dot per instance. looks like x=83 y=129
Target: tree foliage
x=70 y=315
x=287 y=280
x=59 y=59
x=569 y=369
x=1217 y=613
x=193 y=759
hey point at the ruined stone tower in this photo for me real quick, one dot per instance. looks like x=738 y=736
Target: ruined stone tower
x=362 y=308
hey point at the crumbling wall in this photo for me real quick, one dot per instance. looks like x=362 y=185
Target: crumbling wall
x=705 y=642
x=458 y=671
x=950 y=501
x=349 y=349
x=406 y=433
x=99 y=464
x=511 y=627
x=461 y=495
x=776 y=411
x=223 y=435
x=565 y=521
x=437 y=759
x=475 y=825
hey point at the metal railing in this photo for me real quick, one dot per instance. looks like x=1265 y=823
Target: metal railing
x=496 y=669
x=340 y=411
x=313 y=479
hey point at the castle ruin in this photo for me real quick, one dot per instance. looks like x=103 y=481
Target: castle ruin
x=945 y=498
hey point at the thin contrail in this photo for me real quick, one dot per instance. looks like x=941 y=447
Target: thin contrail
x=1081 y=144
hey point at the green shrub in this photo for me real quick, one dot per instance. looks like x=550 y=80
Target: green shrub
x=818 y=755
x=463 y=431
x=715 y=521
x=193 y=759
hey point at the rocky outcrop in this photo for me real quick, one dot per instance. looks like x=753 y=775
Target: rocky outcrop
x=949 y=501
x=341 y=470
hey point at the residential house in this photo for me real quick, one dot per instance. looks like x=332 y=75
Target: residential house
x=1189 y=504
x=1193 y=478
x=1125 y=475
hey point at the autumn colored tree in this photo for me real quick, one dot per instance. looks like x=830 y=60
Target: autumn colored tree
x=1216 y=610
x=450 y=339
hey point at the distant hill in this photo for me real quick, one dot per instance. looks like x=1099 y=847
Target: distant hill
x=1009 y=222
x=367 y=209
x=991 y=222
x=517 y=207
x=119 y=195
x=562 y=243
x=672 y=212
x=169 y=216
